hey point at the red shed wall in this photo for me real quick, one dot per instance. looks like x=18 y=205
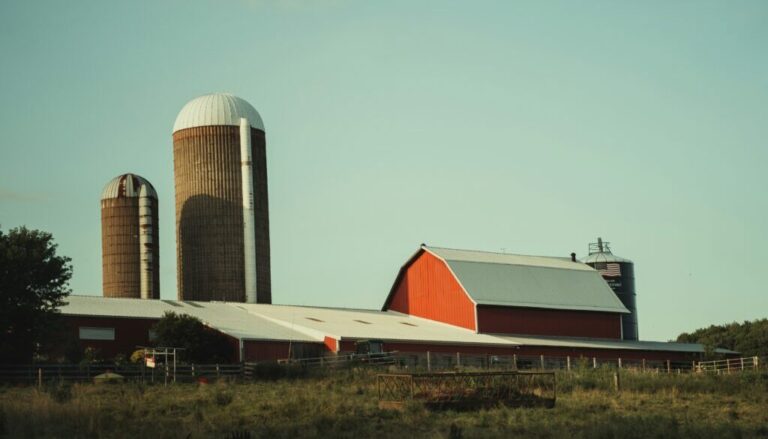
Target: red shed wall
x=265 y=350
x=428 y=289
x=129 y=333
x=261 y=351
x=535 y=321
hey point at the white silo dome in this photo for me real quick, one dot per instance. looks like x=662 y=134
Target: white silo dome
x=127 y=186
x=217 y=109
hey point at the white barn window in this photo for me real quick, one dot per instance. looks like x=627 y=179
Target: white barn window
x=90 y=333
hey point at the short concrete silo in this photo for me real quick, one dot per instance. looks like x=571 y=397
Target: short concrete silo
x=222 y=212
x=129 y=238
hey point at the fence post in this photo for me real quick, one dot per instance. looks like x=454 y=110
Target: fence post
x=541 y=359
x=193 y=370
x=669 y=367
x=39 y=377
x=568 y=363
x=458 y=359
x=617 y=381
x=429 y=363
x=594 y=363
x=619 y=362
x=514 y=361
x=643 y=364
x=742 y=363
x=693 y=365
x=756 y=362
x=218 y=372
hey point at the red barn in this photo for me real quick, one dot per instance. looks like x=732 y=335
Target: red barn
x=507 y=294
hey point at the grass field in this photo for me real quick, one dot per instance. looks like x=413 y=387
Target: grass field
x=344 y=404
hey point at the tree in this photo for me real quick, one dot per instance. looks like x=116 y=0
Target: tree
x=201 y=344
x=747 y=338
x=34 y=282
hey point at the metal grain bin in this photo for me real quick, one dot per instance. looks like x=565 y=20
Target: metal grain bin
x=619 y=273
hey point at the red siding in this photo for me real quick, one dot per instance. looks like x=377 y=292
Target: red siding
x=129 y=333
x=347 y=346
x=265 y=350
x=509 y=320
x=331 y=344
x=428 y=289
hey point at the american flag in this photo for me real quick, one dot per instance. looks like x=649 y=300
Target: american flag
x=611 y=270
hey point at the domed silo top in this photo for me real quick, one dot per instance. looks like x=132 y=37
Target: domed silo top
x=127 y=186
x=217 y=109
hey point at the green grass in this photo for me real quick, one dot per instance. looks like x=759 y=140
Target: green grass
x=344 y=404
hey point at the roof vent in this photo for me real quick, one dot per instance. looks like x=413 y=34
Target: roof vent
x=599 y=247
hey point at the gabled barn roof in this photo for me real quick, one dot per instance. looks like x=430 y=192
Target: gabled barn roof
x=526 y=281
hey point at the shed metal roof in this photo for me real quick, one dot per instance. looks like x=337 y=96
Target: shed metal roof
x=224 y=317
x=591 y=343
x=311 y=324
x=529 y=281
x=343 y=323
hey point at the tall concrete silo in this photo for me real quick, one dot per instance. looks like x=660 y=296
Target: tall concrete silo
x=619 y=273
x=222 y=211
x=129 y=238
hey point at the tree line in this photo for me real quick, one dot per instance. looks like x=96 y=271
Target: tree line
x=748 y=338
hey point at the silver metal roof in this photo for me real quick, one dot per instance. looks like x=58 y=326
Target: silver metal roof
x=367 y=324
x=529 y=281
x=248 y=321
x=590 y=343
x=224 y=317
x=217 y=109
x=127 y=185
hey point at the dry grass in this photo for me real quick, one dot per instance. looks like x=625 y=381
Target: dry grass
x=344 y=404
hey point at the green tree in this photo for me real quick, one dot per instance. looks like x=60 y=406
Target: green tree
x=200 y=343
x=34 y=282
x=747 y=338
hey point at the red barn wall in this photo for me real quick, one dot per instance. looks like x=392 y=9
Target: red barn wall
x=535 y=321
x=428 y=289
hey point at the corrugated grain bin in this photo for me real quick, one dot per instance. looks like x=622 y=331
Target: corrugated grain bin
x=129 y=238
x=222 y=230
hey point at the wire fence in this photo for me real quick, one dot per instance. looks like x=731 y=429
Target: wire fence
x=392 y=361
x=729 y=365
x=44 y=373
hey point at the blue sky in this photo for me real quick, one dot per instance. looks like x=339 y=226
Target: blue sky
x=528 y=127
